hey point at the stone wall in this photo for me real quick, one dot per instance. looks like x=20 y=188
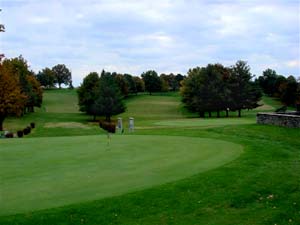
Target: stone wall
x=278 y=119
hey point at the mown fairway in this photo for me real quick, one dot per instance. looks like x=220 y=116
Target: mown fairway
x=173 y=170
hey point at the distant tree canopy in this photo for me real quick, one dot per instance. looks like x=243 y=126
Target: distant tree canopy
x=46 y=77
x=216 y=88
x=101 y=96
x=62 y=75
x=286 y=89
x=19 y=89
x=152 y=81
x=171 y=82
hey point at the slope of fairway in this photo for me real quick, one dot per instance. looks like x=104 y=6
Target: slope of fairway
x=205 y=123
x=40 y=173
x=60 y=101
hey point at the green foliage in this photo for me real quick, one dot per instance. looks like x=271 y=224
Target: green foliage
x=244 y=93
x=109 y=100
x=217 y=88
x=171 y=82
x=268 y=81
x=122 y=83
x=289 y=91
x=139 y=84
x=62 y=74
x=279 y=86
x=46 y=77
x=19 y=89
x=152 y=81
x=88 y=93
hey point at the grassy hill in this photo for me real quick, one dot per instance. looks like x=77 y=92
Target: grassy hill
x=73 y=179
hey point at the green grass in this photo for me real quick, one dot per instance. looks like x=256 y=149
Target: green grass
x=261 y=186
x=58 y=116
x=64 y=170
x=205 y=123
x=60 y=101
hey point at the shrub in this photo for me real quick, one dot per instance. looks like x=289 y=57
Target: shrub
x=20 y=133
x=108 y=126
x=27 y=130
x=32 y=125
x=9 y=135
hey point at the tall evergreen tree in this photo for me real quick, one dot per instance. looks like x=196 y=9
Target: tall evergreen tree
x=244 y=94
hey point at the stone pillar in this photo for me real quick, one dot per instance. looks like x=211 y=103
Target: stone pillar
x=131 y=124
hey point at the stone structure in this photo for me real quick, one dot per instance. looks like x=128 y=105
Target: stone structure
x=280 y=119
x=120 y=123
x=131 y=124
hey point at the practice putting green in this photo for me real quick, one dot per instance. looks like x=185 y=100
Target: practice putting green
x=40 y=173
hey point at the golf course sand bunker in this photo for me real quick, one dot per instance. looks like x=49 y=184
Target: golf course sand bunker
x=40 y=173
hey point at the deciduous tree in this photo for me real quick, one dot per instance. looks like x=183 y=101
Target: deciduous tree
x=152 y=81
x=46 y=77
x=12 y=100
x=62 y=74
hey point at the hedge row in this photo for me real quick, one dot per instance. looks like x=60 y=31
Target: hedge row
x=21 y=133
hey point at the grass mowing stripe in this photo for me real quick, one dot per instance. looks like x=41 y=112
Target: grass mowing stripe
x=39 y=173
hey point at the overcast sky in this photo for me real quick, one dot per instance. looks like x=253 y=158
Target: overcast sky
x=166 y=36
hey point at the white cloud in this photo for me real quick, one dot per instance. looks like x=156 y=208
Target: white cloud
x=133 y=36
x=293 y=63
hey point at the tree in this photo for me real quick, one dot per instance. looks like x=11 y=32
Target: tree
x=62 y=74
x=12 y=100
x=164 y=83
x=109 y=101
x=122 y=84
x=46 y=77
x=194 y=92
x=152 y=81
x=216 y=88
x=268 y=81
x=289 y=91
x=244 y=93
x=88 y=93
x=171 y=82
x=35 y=97
x=205 y=89
x=29 y=86
x=139 y=84
x=132 y=88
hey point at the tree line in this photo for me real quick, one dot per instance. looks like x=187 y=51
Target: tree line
x=20 y=91
x=102 y=95
x=287 y=89
x=217 y=88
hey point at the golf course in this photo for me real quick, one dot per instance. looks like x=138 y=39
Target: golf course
x=174 y=168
